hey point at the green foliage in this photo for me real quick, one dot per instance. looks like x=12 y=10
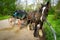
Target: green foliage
x=7 y=7
x=57 y=15
x=55 y=24
x=4 y=17
x=58 y=5
x=51 y=11
x=28 y=9
x=57 y=12
x=18 y=7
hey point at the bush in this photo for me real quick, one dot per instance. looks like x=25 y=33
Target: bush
x=57 y=15
x=7 y=7
x=51 y=11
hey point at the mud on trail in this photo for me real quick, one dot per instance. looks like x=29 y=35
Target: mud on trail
x=11 y=33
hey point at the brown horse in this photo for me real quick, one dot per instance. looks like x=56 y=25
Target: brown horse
x=38 y=17
x=33 y=17
x=44 y=13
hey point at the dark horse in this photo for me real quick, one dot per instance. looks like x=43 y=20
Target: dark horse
x=38 y=17
x=44 y=13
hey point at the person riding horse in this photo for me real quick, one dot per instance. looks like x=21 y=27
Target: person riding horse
x=19 y=14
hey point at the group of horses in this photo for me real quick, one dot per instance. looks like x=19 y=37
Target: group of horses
x=37 y=17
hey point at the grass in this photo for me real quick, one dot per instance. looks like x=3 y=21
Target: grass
x=4 y=17
x=56 y=26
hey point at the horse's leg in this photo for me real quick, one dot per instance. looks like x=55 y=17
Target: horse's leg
x=41 y=25
x=36 y=30
x=19 y=23
x=40 y=30
x=28 y=23
x=12 y=21
x=33 y=26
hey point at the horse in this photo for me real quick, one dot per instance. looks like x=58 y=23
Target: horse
x=17 y=15
x=37 y=17
x=39 y=24
x=32 y=17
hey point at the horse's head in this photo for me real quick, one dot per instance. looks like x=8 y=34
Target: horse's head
x=44 y=11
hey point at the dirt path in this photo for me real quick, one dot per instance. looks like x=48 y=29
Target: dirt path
x=12 y=34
